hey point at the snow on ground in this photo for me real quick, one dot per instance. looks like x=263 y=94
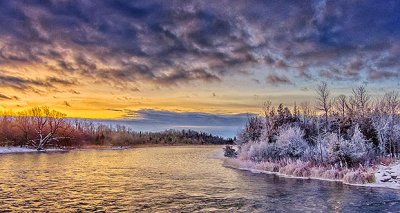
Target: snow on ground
x=13 y=149
x=388 y=176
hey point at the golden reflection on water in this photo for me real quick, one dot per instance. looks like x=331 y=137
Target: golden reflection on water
x=164 y=179
x=107 y=180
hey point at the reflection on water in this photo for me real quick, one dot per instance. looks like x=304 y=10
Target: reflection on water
x=168 y=179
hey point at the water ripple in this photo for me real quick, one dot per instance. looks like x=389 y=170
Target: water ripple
x=171 y=179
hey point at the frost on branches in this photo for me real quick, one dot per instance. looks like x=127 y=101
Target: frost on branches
x=346 y=131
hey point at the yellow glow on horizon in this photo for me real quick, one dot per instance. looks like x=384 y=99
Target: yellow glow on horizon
x=89 y=97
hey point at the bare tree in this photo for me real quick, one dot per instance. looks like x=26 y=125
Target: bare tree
x=360 y=100
x=340 y=105
x=305 y=108
x=6 y=126
x=41 y=126
x=391 y=102
x=323 y=100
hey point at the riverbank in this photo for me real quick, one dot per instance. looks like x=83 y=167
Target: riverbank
x=381 y=176
x=15 y=150
x=106 y=147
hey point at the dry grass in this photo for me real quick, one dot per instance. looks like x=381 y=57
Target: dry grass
x=386 y=161
x=359 y=177
x=304 y=169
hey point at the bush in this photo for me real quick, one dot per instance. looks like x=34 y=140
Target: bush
x=290 y=142
x=230 y=152
x=355 y=150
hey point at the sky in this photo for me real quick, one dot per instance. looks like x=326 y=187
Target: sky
x=128 y=59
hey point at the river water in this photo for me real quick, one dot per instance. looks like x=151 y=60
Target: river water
x=168 y=179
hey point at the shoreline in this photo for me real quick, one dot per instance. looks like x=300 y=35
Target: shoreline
x=26 y=150
x=235 y=164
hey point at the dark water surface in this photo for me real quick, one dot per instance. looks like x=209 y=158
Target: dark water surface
x=168 y=179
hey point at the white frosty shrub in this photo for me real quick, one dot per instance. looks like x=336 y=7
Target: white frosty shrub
x=242 y=138
x=259 y=151
x=311 y=153
x=396 y=137
x=244 y=151
x=332 y=151
x=290 y=142
x=381 y=124
x=322 y=149
x=357 y=148
x=268 y=150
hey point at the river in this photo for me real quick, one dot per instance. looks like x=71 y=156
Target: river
x=168 y=179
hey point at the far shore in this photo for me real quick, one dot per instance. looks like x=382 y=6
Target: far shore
x=109 y=147
x=21 y=150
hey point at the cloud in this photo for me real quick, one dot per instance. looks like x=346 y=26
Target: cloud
x=35 y=85
x=59 y=81
x=152 y=116
x=180 y=75
x=67 y=104
x=277 y=80
x=135 y=89
x=125 y=43
x=382 y=74
x=74 y=92
x=20 y=83
x=4 y=97
x=226 y=125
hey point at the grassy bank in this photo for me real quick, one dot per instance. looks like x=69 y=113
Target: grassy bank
x=301 y=169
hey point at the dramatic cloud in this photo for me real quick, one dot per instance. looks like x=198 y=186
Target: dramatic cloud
x=27 y=84
x=173 y=42
x=173 y=55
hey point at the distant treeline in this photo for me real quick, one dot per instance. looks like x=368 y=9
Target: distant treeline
x=41 y=127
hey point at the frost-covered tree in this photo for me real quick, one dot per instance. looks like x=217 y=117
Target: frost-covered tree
x=252 y=131
x=357 y=131
x=357 y=149
x=332 y=143
x=396 y=139
x=384 y=119
x=261 y=151
x=290 y=142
